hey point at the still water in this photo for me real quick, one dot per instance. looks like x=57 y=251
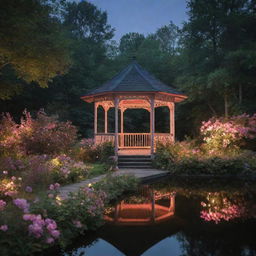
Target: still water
x=178 y=218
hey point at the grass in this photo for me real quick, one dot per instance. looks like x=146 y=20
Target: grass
x=96 y=170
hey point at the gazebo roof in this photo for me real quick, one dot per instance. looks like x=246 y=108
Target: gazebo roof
x=134 y=78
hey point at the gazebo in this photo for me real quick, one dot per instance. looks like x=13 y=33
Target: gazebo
x=133 y=88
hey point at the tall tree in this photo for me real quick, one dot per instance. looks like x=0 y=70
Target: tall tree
x=33 y=45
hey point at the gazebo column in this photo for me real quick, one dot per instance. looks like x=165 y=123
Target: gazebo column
x=172 y=120
x=122 y=126
x=106 y=119
x=116 y=125
x=95 y=118
x=152 y=122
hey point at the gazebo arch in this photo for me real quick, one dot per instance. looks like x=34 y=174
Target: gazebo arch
x=133 y=88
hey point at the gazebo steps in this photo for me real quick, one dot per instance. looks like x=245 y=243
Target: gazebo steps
x=135 y=161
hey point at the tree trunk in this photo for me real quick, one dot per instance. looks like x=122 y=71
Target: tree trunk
x=226 y=104
x=212 y=109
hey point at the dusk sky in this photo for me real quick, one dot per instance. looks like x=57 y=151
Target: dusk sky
x=143 y=16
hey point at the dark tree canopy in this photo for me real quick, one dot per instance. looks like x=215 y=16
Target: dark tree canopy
x=33 y=45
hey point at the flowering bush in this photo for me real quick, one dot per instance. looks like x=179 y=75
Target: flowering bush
x=217 y=207
x=87 y=151
x=66 y=170
x=29 y=226
x=227 y=134
x=9 y=187
x=182 y=158
x=41 y=135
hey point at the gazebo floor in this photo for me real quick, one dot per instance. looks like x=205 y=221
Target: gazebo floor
x=134 y=151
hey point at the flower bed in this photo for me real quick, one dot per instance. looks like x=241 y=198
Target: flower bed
x=218 y=151
x=30 y=223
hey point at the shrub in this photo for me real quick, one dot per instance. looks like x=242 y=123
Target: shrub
x=46 y=135
x=174 y=152
x=87 y=151
x=29 y=226
x=41 y=135
x=114 y=186
x=181 y=159
x=66 y=170
x=228 y=134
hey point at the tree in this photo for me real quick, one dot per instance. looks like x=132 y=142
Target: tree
x=85 y=20
x=33 y=46
x=168 y=37
x=130 y=43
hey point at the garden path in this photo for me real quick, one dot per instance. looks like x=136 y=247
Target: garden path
x=141 y=174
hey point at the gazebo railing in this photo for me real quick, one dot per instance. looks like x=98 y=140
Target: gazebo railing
x=133 y=140
x=104 y=137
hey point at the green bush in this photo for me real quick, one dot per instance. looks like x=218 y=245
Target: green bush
x=181 y=158
x=114 y=186
x=87 y=151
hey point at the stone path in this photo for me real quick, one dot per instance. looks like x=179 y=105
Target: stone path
x=141 y=174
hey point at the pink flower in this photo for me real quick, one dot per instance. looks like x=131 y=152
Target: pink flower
x=50 y=195
x=28 y=189
x=4 y=228
x=55 y=233
x=22 y=204
x=2 y=205
x=55 y=186
x=5 y=172
x=52 y=226
x=49 y=240
x=77 y=223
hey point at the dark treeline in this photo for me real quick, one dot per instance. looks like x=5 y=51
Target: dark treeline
x=53 y=52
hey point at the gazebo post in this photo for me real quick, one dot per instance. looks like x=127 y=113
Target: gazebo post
x=106 y=119
x=122 y=126
x=95 y=118
x=152 y=123
x=116 y=125
x=172 y=128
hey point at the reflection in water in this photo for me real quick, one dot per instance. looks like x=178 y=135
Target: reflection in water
x=218 y=207
x=148 y=208
x=179 y=219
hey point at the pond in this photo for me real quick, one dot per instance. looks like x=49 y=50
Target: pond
x=178 y=217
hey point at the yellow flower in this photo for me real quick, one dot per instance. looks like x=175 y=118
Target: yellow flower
x=55 y=162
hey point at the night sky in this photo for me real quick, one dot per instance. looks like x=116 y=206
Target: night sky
x=143 y=16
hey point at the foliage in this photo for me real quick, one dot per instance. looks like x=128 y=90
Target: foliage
x=63 y=170
x=115 y=186
x=23 y=59
x=40 y=135
x=87 y=151
x=228 y=133
x=32 y=223
x=183 y=159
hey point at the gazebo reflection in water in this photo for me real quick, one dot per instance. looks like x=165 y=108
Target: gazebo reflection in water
x=150 y=207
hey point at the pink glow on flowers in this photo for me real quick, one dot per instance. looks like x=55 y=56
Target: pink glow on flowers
x=2 y=205
x=22 y=204
x=55 y=186
x=49 y=240
x=28 y=189
x=77 y=223
x=42 y=227
x=4 y=228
